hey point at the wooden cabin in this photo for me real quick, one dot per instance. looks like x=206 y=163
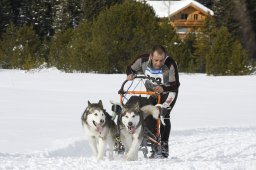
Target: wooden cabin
x=186 y=16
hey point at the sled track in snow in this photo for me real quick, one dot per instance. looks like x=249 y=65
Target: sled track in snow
x=207 y=148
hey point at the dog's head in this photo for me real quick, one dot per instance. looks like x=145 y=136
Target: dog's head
x=131 y=116
x=94 y=116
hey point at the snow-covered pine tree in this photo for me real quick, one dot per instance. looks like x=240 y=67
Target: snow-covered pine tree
x=74 y=10
x=5 y=15
x=60 y=15
x=41 y=13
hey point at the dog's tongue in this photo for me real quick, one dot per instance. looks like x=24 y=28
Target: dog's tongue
x=99 y=128
x=132 y=130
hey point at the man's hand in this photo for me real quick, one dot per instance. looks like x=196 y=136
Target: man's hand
x=130 y=77
x=159 y=89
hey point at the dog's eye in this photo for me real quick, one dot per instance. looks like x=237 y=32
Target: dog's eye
x=95 y=114
x=133 y=116
x=126 y=116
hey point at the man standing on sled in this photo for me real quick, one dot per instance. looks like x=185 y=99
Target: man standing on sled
x=164 y=69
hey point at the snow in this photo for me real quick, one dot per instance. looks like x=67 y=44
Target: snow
x=213 y=122
x=167 y=8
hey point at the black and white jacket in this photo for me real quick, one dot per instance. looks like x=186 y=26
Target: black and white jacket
x=167 y=74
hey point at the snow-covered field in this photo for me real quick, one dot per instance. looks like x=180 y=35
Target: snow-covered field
x=213 y=122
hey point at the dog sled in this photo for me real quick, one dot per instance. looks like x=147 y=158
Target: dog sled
x=152 y=139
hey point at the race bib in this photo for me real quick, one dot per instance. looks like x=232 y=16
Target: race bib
x=157 y=75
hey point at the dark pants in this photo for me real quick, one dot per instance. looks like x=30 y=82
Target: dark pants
x=151 y=122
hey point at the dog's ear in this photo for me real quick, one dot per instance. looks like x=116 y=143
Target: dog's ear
x=100 y=104
x=124 y=109
x=137 y=106
x=89 y=103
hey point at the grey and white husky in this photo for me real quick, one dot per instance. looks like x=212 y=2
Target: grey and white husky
x=99 y=128
x=131 y=126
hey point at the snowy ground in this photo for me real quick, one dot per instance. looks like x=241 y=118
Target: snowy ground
x=213 y=122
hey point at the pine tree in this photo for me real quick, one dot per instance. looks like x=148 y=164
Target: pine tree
x=59 y=51
x=60 y=15
x=24 y=17
x=74 y=10
x=121 y=33
x=20 y=48
x=192 y=60
x=183 y=53
x=251 y=7
x=41 y=12
x=224 y=11
x=92 y=8
x=238 y=61
x=5 y=15
x=81 y=48
x=219 y=53
x=204 y=42
x=167 y=36
x=207 y=3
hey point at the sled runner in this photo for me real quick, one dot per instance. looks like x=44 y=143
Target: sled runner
x=150 y=138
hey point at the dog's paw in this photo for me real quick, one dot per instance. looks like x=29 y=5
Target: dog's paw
x=99 y=158
x=130 y=158
x=111 y=158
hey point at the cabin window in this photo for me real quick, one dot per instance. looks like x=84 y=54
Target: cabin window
x=196 y=17
x=182 y=29
x=184 y=16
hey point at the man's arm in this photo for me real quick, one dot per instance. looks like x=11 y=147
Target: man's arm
x=135 y=66
x=173 y=79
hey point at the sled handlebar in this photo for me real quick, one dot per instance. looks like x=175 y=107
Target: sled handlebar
x=121 y=91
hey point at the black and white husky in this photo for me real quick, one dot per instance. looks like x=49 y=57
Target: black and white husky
x=99 y=128
x=131 y=126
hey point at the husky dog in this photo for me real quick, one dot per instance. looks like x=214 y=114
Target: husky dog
x=131 y=126
x=99 y=128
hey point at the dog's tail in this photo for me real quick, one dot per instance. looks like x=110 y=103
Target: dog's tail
x=150 y=110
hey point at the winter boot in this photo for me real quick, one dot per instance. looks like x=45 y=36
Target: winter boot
x=156 y=152
x=165 y=149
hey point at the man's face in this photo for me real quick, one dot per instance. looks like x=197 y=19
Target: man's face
x=157 y=60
